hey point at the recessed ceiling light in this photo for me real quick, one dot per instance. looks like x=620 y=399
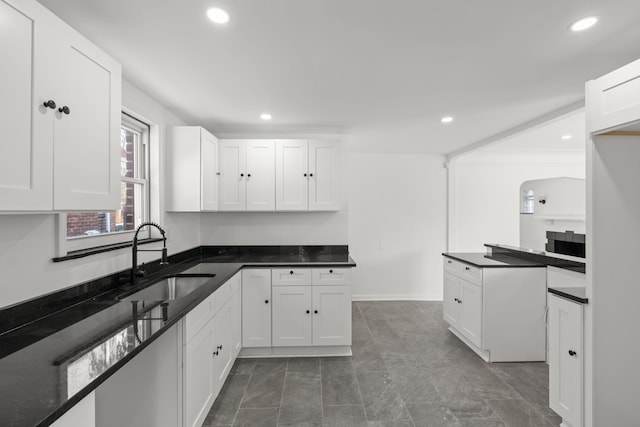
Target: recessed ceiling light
x=265 y=116
x=584 y=23
x=218 y=15
x=447 y=119
x=565 y=137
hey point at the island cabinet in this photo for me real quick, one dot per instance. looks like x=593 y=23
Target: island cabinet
x=498 y=312
x=60 y=115
x=566 y=360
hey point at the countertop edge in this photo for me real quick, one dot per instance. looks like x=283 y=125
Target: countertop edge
x=195 y=300
x=475 y=264
x=566 y=294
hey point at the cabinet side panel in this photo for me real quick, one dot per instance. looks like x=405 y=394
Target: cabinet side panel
x=615 y=254
x=514 y=312
x=144 y=392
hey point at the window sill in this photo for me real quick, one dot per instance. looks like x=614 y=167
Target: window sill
x=101 y=249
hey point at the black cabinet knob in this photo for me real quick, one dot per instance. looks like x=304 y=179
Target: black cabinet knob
x=219 y=347
x=448 y=261
x=266 y=301
x=308 y=311
x=291 y=272
x=248 y=175
x=330 y=271
x=542 y=201
x=455 y=299
x=459 y=301
x=215 y=353
x=310 y=174
x=467 y=268
x=50 y=104
x=64 y=110
x=572 y=353
x=241 y=174
x=315 y=311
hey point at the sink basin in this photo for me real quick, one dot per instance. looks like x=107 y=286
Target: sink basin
x=169 y=288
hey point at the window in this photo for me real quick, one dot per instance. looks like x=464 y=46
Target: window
x=528 y=202
x=91 y=229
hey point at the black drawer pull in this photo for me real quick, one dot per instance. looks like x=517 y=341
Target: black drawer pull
x=291 y=272
x=315 y=311
x=50 y=104
x=331 y=271
x=266 y=301
x=308 y=311
x=572 y=353
x=467 y=268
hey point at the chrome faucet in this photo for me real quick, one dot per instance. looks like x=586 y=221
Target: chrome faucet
x=138 y=272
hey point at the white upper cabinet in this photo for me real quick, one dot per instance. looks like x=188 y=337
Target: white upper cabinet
x=292 y=175
x=260 y=175
x=307 y=175
x=233 y=165
x=63 y=155
x=614 y=99
x=26 y=165
x=86 y=171
x=247 y=175
x=192 y=168
x=324 y=176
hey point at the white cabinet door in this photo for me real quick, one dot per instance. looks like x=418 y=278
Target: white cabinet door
x=208 y=171
x=198 y=377
x=87 y=133
x=614 y=99
x=83 y=414
x=233 y=175
x=260 y=175
x=565 y=359
x=292 y=175
x=331 y=315
x=222 y=350
x=324 y=176
x=292 y=316
x=450 y=306
x=26 y=164
x=236 y=315
x=256 y=308
x=470 y=301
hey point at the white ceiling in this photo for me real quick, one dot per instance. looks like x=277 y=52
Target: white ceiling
x=380 y=67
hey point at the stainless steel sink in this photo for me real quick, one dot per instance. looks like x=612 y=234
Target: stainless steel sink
x=169 y=288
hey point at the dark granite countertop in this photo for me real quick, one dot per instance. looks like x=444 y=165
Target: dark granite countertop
x=575 y=294
x=554 y=260
x=39 y=379
x=483 y=260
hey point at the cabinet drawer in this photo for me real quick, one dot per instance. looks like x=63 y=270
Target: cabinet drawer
x=221 y=296
x=290 y=276
x=197 y=318
x=471 y=273
x=331 y=276
x=451 y=265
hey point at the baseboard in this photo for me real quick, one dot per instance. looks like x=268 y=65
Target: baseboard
x=387 y=297
x=311 y=351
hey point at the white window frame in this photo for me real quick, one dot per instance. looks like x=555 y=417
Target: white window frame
x=71 y=244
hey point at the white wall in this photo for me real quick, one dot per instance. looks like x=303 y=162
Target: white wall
x=397 y=225
x=29 y=242
x=484 y=190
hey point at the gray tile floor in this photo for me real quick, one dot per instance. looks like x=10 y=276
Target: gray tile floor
x=407 y=370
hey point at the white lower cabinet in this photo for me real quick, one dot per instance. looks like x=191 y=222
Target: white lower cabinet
x=256 y=308
x=311 y=314
x=566 y=359
x=198 y=376
x=210 y=334
x=236 y=314
x=291 y=316
x=498 y=312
